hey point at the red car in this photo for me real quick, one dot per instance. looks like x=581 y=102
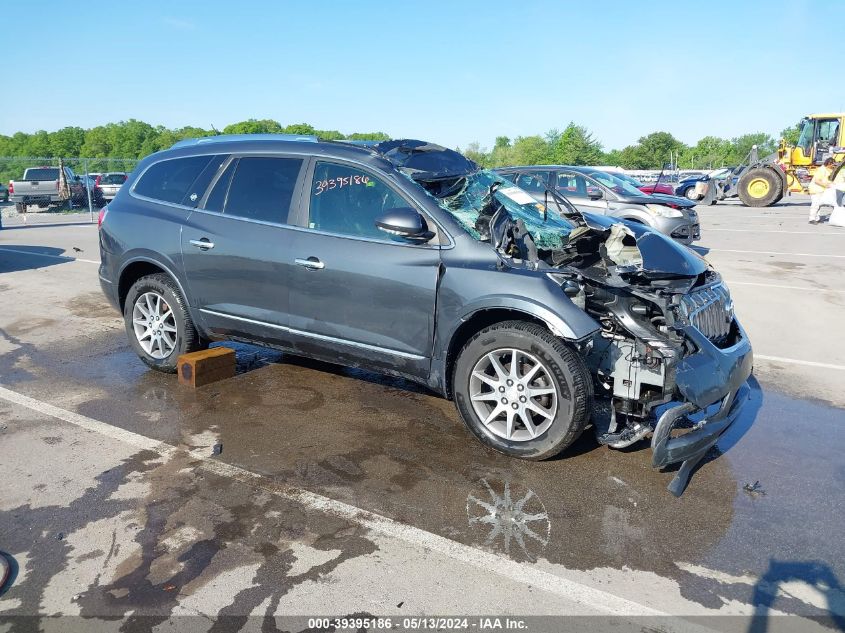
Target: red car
x=650 y=188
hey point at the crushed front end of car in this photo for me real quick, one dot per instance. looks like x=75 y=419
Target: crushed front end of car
x=671 y=354
x=668 y=351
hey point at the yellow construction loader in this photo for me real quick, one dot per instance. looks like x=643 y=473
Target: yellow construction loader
x=761 y=182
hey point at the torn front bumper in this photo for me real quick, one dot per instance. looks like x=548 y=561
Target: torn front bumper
x=710 y=378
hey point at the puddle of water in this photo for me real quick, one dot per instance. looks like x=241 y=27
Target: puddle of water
x=394 y=449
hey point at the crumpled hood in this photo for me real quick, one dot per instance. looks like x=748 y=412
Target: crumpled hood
x=661 y=255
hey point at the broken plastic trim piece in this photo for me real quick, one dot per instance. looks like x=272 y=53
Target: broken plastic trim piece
x=691 y=447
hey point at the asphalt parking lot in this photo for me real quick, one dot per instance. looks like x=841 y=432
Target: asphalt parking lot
x=299 y=488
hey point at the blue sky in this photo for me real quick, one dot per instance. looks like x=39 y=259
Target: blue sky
x=450 y=72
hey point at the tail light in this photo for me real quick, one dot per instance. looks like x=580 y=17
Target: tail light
x=97 y=181
x=11 y=187
x=102 y=216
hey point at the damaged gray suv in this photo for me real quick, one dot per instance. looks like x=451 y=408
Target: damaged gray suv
x=406 y=258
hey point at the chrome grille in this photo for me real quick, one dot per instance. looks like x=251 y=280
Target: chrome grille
x=710 y=310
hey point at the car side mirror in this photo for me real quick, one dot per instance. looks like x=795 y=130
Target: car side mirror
x=405 y=222
x=595 y=194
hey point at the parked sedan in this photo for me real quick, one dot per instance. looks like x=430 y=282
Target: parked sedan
x=594 y=191
x=4 y=193
x=111 y=183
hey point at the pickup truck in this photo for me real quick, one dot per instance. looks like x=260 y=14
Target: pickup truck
x=40 y=185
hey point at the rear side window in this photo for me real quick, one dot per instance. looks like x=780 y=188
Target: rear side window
x=197 y=189
x=262 y=188
x=170 y=180
x=217 y=197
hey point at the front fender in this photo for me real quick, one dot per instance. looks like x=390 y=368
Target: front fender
x=636 y=215
x=465 y=290
x=562 y=317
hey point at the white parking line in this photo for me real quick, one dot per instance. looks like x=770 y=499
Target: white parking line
x=729 y=250
x=522 y=573
x=62 y=257
x=805 y=288
x=792 y=361
x=784 y=232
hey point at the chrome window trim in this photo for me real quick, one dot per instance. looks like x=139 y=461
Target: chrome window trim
x=237 y=217
x=305 y=229
x=321 y=337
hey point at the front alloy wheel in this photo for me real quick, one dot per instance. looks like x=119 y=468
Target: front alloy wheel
x=521 y=390
x=513 y=393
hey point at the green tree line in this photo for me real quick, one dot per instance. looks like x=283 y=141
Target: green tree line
x=136 y=139
x=576 y=145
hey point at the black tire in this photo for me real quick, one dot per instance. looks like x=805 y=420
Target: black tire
x=760 y=187
x=187 y=337
x=566 y=368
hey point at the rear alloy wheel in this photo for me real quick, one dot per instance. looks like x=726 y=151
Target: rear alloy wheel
x=522 y=391
x=154 y=324
x=760 y=187
x=157 y=322
x=690 y=193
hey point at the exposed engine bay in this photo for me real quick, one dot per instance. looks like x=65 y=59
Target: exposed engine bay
x=668 y=352
x=643 y=290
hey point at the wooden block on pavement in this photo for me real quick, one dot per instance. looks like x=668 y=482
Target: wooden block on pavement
x=209 y=365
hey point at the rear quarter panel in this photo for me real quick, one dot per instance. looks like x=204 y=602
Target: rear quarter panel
x=137 y=230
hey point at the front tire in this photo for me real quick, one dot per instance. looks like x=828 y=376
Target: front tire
x=690 y=194
x=522 y=391
x=158 y=324
x=760 y=187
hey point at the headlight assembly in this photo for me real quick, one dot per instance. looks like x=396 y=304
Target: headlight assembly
x=664 y=211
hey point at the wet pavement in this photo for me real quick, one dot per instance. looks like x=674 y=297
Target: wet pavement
x=760 y=524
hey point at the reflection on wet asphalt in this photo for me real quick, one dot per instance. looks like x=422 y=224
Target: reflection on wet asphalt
x=390 y=447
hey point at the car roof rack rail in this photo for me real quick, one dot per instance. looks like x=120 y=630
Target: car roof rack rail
x=228 y=138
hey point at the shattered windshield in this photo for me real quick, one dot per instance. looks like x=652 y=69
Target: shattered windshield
x=471 y=199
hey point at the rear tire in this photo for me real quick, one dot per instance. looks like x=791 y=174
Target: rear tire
x=555 y=399
x=690 y=194
x=760 y=187
x=152 y=338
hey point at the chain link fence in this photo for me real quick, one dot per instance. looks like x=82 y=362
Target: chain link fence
x=81 y=193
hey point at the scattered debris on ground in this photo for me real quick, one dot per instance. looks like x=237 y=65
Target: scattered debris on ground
x=754 y=489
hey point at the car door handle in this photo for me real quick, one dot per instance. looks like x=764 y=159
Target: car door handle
x=204 y=244
x=312 y=263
